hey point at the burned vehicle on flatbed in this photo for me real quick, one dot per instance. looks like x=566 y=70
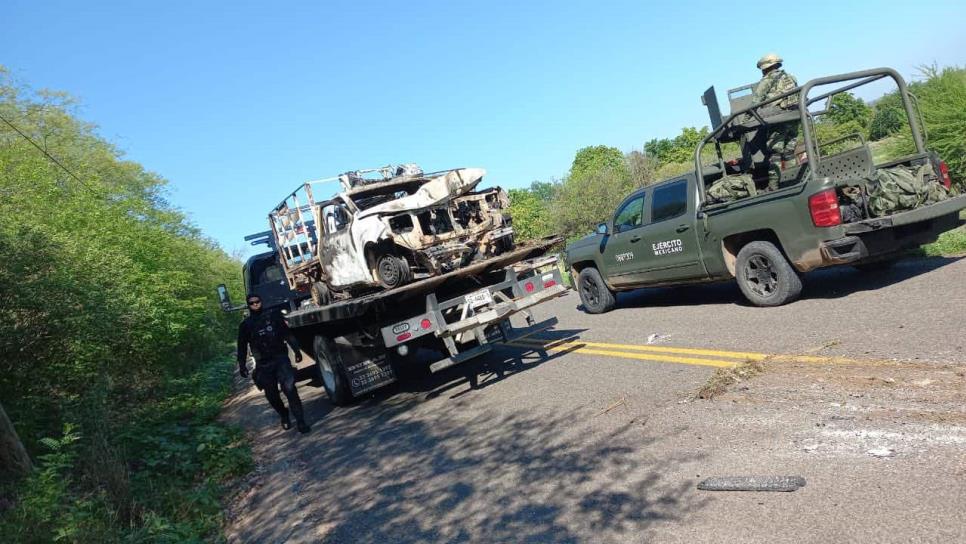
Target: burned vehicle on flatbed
x=386 y=232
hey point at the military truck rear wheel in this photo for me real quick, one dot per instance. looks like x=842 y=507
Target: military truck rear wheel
x=596 y=297
x=332 y=370
x=765 y=276
x=393 y=271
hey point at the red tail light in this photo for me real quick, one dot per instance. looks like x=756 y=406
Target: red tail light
x=529 y=286
x=944 y=174
x=425 y=324
x=403 y=336
x=824 y=208
x=549 y=283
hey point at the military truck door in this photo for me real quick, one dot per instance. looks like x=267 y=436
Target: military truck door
x=336 y=251
x=623 y=248
x=669 y=249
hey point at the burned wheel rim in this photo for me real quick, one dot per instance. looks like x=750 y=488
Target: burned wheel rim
x=390 y=270
x=591 y=292
x=761 y=275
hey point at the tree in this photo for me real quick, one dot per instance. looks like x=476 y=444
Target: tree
x=530 y=209
x=846 y=108
x=590 y=161
x=677 y=150
x=14 y=460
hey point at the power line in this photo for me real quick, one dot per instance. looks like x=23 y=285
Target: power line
x=51 y=157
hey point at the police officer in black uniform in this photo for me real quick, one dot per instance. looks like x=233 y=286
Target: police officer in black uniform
x=266 y=334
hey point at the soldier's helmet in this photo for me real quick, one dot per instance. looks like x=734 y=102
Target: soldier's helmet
x=768 y=61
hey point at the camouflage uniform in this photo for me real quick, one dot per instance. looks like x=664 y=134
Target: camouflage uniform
x=780 y=141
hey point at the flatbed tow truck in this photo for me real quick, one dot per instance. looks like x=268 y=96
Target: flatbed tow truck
x=362 y=343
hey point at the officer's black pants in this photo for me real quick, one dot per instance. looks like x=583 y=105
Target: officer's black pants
x=276 y=374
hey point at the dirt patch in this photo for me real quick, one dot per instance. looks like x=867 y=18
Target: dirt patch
x=861 y=408
x=723 y=378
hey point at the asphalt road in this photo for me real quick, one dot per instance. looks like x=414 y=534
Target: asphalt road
x=594 y=434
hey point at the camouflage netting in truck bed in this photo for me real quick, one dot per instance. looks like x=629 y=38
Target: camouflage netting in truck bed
x=902 y=188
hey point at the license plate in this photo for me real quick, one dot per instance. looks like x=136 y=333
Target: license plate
x=479 y=298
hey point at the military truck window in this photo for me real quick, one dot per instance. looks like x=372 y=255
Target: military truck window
x=669 y=201
x=629 y=216
x=335 y=215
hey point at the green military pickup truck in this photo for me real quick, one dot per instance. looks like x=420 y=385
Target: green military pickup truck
x=834 y=205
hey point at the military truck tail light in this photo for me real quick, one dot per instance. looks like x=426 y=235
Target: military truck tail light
x=404 y=336
x=549 y=283
x=425 y=324
x=944 y=174
x=824 y=208
x=529 y=287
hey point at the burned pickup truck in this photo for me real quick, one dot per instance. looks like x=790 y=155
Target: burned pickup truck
x=384 y=231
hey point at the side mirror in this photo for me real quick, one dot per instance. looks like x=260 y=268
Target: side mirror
x=223 y=298
x=602 y=229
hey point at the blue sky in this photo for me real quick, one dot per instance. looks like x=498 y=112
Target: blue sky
x=237 y=103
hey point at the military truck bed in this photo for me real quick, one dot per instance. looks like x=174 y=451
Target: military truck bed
x=394 y=299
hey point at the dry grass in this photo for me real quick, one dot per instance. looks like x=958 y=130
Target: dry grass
x=723 y=378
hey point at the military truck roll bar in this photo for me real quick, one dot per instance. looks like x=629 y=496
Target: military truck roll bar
x=864 y=77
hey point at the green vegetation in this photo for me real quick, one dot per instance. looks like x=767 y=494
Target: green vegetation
x=108 y=330
x=951 y=243
x=942 y=102
x=600 y=176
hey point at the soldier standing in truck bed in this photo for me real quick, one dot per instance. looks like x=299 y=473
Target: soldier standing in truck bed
x=780 y=140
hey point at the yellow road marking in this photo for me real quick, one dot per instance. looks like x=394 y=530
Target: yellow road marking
x=673 y=355
x=656 y=349
x=657 y=357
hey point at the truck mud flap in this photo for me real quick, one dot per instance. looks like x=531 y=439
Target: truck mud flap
x=365 y=372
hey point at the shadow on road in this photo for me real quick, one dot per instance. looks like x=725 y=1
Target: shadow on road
x=383 y=473
x=828 y=283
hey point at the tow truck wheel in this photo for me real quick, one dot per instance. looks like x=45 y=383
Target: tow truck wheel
x=331 y=368
x=596 y=297
x=393 y=271
x=765 y=276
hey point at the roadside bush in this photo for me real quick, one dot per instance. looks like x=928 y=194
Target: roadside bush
x=942 y=101
x=108 y=327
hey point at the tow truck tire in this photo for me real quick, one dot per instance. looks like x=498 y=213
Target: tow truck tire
x=393 y=271
x=331 y=370
x=765 y=276
x=596 y=297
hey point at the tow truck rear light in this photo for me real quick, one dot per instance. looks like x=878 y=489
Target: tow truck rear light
x=528 y=286
x=549 y=283
x=425 y=324
x=824 y=208
x=404 y=336
x=944 y=174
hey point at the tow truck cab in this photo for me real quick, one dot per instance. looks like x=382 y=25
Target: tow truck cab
x=263 y=276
